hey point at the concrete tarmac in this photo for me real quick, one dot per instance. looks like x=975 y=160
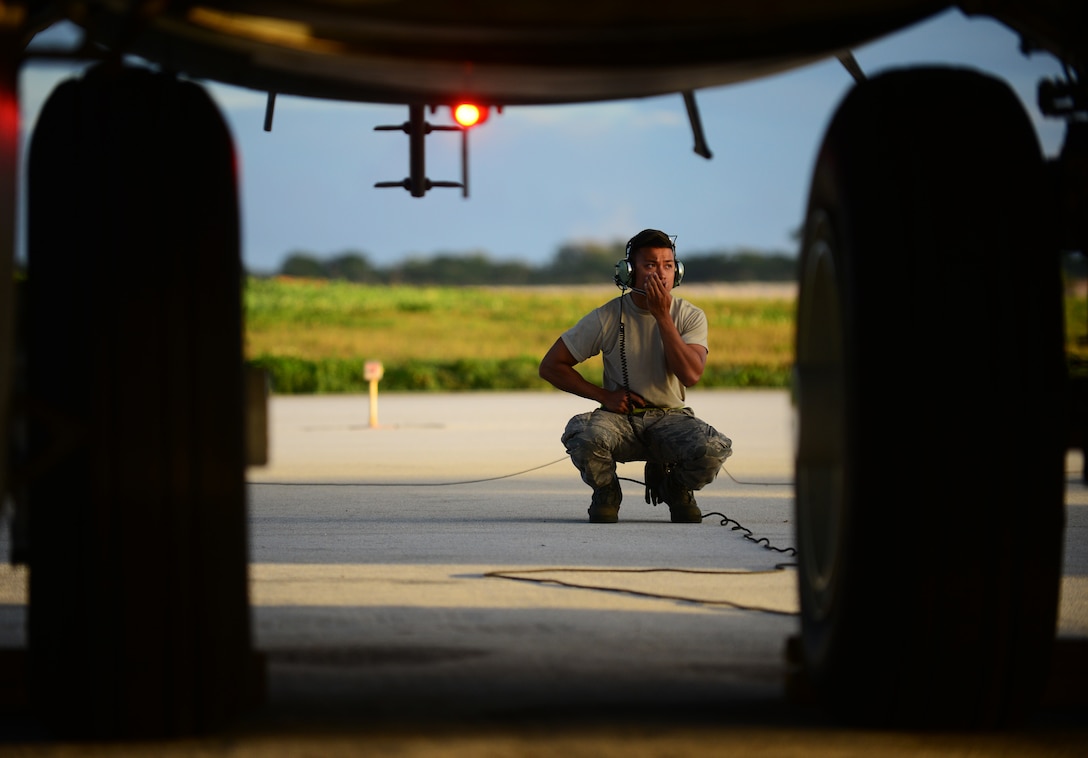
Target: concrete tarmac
x=428 y=585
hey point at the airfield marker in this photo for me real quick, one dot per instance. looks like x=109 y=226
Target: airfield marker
x=372 y=372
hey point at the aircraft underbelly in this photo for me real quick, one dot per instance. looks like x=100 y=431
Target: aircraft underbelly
x=427 y=51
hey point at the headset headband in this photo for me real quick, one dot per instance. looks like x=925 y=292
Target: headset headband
x=650 y=238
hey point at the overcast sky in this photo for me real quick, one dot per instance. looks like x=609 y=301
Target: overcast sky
x=543 y=176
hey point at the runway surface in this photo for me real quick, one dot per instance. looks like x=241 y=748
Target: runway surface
x=429 y=585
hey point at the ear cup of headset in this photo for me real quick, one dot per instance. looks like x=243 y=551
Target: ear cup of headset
x=679 y=274
x=625 y=274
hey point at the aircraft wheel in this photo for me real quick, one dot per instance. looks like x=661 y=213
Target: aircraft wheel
x=930 y=398
x=138 y=618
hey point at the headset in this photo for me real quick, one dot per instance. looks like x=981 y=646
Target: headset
x=625 y=270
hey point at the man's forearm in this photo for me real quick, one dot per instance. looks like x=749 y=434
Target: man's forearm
x=685 y=361
x=566 y=378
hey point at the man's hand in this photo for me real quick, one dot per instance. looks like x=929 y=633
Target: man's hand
x=621 y=401
x=658 y=297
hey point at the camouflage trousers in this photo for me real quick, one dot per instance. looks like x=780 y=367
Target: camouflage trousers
x=691 y=448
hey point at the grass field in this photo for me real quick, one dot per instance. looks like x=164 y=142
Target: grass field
x=315 y=335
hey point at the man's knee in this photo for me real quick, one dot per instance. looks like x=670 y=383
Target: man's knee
x=718 y=447
x=588 y=445
x=579 y=440
x=701 y=467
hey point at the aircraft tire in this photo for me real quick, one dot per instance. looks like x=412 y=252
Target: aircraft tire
x=138 y=619
x=930 y=389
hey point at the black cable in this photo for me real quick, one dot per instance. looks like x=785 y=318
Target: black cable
x=748 y=535
x=409 y=484
x=469 y=481
x=623 y=365
x=511 y=574
x=726 y=520
x=626 y=376
x=758 y=484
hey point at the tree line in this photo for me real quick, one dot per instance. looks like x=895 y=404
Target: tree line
x=573 y=263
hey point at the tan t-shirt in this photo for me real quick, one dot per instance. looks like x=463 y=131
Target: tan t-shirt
x=598 y=332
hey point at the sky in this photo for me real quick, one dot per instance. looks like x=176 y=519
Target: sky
x=544 y=176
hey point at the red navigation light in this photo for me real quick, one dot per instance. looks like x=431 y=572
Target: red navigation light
x=468 y=115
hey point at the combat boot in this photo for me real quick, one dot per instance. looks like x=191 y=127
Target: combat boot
x=661 y=487
x=605 y=506
x=682 y=507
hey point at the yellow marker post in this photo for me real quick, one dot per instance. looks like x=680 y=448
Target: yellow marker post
x=372 y=372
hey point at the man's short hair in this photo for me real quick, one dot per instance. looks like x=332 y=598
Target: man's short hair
x=649 y=238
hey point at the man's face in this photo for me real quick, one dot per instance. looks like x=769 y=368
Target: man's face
x=654 y=261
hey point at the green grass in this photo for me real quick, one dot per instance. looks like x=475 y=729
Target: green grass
x=314 y=336
x=1076 y=335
